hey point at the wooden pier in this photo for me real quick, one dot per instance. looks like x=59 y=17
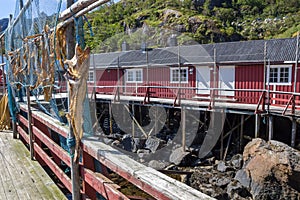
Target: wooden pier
x=20 y=177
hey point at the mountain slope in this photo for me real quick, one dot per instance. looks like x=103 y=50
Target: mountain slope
x=205 y=21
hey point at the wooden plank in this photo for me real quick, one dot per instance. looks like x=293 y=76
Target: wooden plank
x=23 y=134
x=44 y=184
x=9 y=188
x=51 y=123
x=103 y=185
x=55 y=169
x=55 y=148
x=25 y=187
x=17 y=168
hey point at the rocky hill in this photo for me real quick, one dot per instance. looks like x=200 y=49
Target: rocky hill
x=205 y=21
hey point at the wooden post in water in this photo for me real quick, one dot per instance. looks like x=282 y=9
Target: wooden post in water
x=294 y=131
x=270 y=127
x=257 y=125
x=29 y=117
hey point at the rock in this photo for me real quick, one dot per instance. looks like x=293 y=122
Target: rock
x=143 y=152
x=237 y=161
x=222 y=182
x=177 y=156
x=168 y=13
x=128 y=143
x=221 y=167
x=156 y=164
x=153 y=144
x=268 y=168
x=236 y=190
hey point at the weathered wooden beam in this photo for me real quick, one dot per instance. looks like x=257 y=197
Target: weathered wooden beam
x=183 y=121
x=29 y=116
x=55 y=148
x=147 y=179
x=51 y=123
x=294 y=131
x=270 y=127
x=54 y=168
x=78 y=10
x=241 y=133
x=23 y=134
x=257 y=125
x=78 y=6
x=103 y=185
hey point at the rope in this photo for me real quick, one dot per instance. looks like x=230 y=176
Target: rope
x=71 y=142
x=89 y=25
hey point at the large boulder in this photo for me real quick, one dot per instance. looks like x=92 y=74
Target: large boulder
x=271 y=170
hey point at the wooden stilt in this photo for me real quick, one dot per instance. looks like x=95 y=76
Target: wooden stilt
x=140 y=114
x=270 y=127
x=241 y=133
x=294 y=131
x=183 y=119
x=222 y=145
x=110 y=118
x=257 y=125
x=227 y=146
x=132 y=109
x=30 y=124
x=156 y=121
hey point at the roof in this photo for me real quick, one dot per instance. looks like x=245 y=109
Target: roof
x=277 y=50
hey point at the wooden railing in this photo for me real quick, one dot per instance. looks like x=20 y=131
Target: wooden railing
x=49 y=152
x=260 y=99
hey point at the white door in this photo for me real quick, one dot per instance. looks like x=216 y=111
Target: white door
x=227 y=80
x=203 y=80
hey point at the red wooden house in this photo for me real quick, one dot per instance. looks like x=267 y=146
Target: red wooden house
x=240 y=72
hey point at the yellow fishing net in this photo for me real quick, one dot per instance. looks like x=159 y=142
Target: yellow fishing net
x=4 y=114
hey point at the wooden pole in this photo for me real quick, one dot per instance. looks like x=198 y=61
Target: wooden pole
x=2 y=68
x=74 y=164
x=294 y=131
x=29 y=116
x=270 y=127
x=132 y=110
x=110 y=118
x=242 y=132
x=74 y=8
x=257 y=125
x=81 y=11
x=183 y=119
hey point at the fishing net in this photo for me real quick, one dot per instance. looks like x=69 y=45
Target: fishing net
x=29 y=44
x=35 y=43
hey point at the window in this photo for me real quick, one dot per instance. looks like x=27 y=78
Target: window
x=135 y=75
x=183 y=75
x=91 y=77
x=280 y=74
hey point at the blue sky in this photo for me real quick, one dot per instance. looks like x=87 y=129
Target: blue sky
x=7 y=7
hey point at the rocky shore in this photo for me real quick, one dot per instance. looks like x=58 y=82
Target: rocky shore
x=266 y=170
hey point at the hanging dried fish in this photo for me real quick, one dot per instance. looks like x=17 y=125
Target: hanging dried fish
x=77 y=74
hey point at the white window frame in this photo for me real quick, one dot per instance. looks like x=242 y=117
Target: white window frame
x=91 y=77
x=182 y=68
x=134 y=75
x=278 y=75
